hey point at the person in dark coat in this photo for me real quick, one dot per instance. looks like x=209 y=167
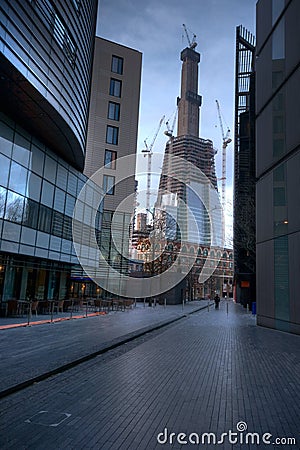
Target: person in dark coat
x=217 y=301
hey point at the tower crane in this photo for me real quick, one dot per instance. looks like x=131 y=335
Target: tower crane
x=192 y=43
x=226 y=140
x=169 y=132
x=170 y=129
x=148 y=151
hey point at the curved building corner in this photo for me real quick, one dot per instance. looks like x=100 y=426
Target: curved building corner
x=46 y=52
x=46 y=55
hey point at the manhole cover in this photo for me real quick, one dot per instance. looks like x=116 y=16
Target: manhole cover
x=48 y=418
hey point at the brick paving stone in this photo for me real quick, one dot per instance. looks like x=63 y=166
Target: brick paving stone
x=39 y=349
x=205 y=373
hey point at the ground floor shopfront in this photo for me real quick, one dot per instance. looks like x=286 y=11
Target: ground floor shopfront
x=29 y=278
x=40 y=279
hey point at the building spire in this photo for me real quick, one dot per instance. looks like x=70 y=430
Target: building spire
x=189 y=102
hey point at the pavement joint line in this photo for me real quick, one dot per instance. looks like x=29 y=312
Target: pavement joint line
x=43 y=322
x=118 y=342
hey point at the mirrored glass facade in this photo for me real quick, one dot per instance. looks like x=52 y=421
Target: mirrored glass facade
x=38 y=191
x=46 y=52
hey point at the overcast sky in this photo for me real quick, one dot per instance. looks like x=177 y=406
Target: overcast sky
x=154 y=27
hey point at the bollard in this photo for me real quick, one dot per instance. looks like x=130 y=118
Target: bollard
x=52 y=306
x=86 y=308
x=144 y=302
x=165 y=302
x=208 y=306
x=227 y=307
x=154 y=302
x=29 y=314
x=72 y=303
x=135 y=302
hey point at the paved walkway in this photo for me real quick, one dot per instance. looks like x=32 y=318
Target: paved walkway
x=28 y=353
x=211 y=372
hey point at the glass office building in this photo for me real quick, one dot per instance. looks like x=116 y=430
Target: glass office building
x=38 y=191
x=46 y=51
x=278 y=164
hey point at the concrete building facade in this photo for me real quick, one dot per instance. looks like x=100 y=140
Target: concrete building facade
x=278 y=164
x=112 y=134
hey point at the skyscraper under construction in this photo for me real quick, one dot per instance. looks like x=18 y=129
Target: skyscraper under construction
x=188 y=189
x=198 y=152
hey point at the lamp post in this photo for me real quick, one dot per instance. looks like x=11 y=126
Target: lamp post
x=152 y=245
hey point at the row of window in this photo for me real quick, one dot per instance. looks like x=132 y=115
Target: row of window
x=60 y=32
x=22 y=181
x=111 y=245
x=31 y=214
x=112 y=132
x=110 y=159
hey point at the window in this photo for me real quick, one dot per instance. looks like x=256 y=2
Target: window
x=112 y=135
x=76 y=4
x=14 y=207
x=278 y=41
x=18 y=178
x=109 y=184
x=2 y=201
x=57 y=224
x=281 y=278
x=4 y=170
x=277 y=77
x=117 y=65
x=110 y=159
x=279 y=196
x=277 y=7
x=58 y=30
x=70 y=49
x=115 y=87
x=278 y=147
x=31 y=213
x=63 y=39
x=61 y=34
x=113 y=111
x=45 y=219
x=278 y=124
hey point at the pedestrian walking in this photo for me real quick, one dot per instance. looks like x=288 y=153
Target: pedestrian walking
x=217 y=301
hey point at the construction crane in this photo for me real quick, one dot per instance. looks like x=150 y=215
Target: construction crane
x=169 y=132
x=226 y=140
x=192 y=43
x=170 y=129
x=148 y=151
